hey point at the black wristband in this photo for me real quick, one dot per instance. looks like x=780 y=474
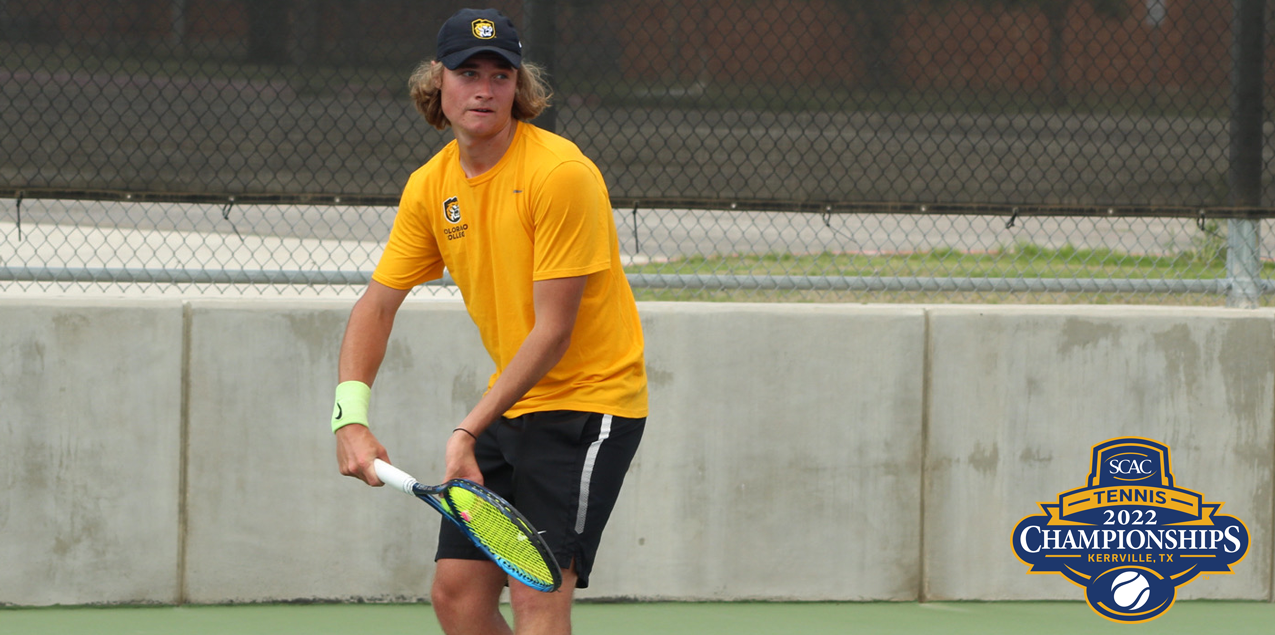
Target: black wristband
x=455 y=430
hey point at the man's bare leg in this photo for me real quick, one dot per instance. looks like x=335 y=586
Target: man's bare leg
x=466 y=597
x=539 y=613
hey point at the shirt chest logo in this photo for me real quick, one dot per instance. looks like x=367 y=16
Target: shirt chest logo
x=451 y=212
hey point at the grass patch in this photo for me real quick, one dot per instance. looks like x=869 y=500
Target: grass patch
x=1020 y=261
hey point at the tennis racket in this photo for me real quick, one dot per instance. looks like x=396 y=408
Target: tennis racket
x=502 y=533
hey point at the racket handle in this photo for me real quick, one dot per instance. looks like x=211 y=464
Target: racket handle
x=393 y=476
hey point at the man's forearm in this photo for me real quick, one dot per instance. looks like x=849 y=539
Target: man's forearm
x=366 y=337
x=557 y=303
x=539 y=353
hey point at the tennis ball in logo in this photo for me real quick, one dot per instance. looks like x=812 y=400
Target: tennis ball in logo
x=1130 y=590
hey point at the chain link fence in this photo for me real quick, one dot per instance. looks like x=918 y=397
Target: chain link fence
x=252 y=246
x=847 y=150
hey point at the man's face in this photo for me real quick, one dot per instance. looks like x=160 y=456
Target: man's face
x=478 y=96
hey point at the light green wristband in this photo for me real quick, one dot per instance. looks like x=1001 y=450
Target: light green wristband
x=352 y=398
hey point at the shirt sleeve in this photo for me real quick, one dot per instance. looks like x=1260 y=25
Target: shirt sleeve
x=411 y=255
x=570 y=235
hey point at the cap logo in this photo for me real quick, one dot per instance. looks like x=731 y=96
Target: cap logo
x=484 y=29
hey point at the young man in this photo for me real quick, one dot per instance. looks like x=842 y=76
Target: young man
x=522 y=221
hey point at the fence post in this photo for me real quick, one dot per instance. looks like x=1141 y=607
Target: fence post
x=1243 y=264
x=540 y=33
x=1243 y=259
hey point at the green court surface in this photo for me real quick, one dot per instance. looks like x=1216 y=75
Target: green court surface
x=743 y=618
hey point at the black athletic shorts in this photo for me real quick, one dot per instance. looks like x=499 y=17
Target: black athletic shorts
x=563 y=470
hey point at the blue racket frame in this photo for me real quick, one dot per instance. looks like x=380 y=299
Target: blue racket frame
x=432 y=495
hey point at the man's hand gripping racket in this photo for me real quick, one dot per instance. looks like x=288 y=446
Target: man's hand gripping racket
x=498 y=529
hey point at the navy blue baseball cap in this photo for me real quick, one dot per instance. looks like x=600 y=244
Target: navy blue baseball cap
x=472 y=31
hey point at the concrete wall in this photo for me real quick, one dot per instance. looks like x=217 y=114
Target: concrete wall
x=90 y=453
x=170 y=451
x=1018 y=396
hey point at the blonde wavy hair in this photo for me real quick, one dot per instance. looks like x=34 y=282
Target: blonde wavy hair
x=531 y=93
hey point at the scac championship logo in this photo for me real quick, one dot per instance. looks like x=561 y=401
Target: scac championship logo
x=1131 y=536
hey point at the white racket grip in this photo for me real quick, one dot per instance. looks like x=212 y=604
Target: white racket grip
x=393 y=476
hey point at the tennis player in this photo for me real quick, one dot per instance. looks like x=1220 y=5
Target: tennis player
x=522 y=221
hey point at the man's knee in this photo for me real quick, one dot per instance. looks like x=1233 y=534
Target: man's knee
x=530 y=603
x=466 y=584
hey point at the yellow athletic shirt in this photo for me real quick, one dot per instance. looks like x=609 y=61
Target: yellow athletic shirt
x=543 y=212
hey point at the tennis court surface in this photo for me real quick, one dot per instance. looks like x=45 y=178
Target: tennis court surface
x=739 y=618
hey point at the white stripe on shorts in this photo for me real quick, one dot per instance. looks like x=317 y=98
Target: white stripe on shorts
x=589 y=459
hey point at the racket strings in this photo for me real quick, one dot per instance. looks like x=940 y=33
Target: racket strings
x=443 y=505
x=501 y=535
